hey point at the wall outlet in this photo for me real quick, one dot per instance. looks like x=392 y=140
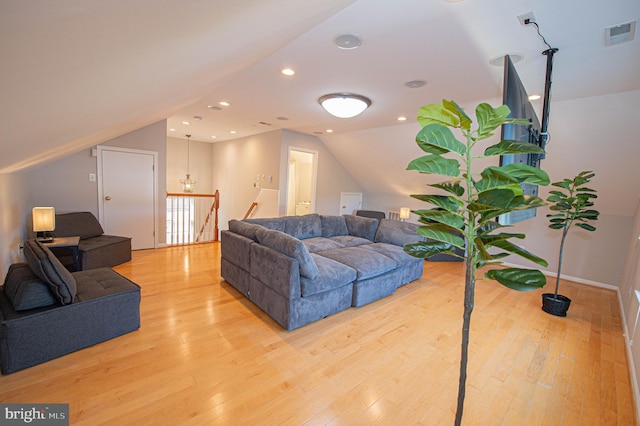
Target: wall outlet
x=92 y=177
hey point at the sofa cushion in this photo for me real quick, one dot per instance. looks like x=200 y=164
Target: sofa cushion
x=289 y=246
x=276 y=223
x=394 y=252
x=396 y=232
x=367 y=263
x=48 y=268
x=332 y=275
x=321 y=243
x=82 y=224
x=25 y=290
x=364 y=227
x=301 y=227
x=350 y=241
x=333 y=226
x=245 y=229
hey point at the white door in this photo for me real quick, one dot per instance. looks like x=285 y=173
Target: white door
x=127 y=194
x=350 y=202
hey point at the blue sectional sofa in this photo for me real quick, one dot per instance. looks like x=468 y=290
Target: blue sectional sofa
x=299 y=269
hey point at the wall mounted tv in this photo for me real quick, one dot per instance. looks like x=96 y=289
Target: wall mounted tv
x=515 y=96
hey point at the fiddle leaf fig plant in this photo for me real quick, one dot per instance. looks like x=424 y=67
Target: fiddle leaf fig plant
x=572 y=204
x=464 y=210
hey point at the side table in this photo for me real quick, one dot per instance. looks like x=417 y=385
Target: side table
x=66 y=243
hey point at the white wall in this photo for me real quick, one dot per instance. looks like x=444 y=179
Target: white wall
x=237 y=164
x=64 y=184
x=200 y=165
x=333 y=178
x=14 y=210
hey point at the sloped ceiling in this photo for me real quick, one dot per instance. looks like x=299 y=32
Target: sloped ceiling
x=77 y=73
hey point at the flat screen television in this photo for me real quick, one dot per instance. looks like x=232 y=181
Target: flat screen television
x=514 y=95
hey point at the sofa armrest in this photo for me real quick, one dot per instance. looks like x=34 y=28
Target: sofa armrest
x=236 y=249
x=276 y=270
x=397 y=233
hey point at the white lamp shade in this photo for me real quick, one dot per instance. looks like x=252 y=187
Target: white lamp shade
x=344 y=105
x=44 y=219
x=404 y=212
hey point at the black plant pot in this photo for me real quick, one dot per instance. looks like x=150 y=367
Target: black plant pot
x=557 y=306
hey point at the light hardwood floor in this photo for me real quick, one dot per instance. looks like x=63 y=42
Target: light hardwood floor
x=206 y=355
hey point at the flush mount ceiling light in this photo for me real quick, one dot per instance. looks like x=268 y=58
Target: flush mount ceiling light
x=344 y=105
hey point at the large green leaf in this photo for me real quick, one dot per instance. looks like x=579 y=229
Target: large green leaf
x=441 y=233
x=446 y=217
x=435 y=164
x=452 y=187
x=522 y=202
x=526 y=174
x=517 y=278
x=514 y=249
x=490 y=118
x=513 y=147
x=493 y=178
x=444 y=201
x=465 y=121
x=424 y=249
x=436 y=113
x=441 y=137
x=495 y=199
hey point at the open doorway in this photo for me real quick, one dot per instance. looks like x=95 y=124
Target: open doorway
x=301 y=181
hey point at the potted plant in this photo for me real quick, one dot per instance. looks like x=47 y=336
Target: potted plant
x=465 y=217
x=572 y=204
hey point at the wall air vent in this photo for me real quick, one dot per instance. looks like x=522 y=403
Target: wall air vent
x=619 y=33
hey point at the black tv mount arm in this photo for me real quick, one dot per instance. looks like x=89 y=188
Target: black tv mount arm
x=544 y=135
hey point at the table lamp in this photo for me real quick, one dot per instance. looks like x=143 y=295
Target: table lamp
x=404 y=213
x=44 y=221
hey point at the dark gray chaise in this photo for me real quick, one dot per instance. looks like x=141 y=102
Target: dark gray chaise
x=47 y=311
x=299 y=269
x=95 y=250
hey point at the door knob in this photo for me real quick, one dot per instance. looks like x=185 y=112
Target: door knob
x=108 y=198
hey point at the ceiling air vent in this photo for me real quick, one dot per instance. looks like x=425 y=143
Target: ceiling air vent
x=619 y=33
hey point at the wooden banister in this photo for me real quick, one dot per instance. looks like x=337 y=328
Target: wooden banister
x=248 y=213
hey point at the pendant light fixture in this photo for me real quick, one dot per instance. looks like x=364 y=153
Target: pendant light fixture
x=344 y=105
x=188 y=185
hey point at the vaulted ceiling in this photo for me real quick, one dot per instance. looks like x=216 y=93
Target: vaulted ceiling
x=77 y=73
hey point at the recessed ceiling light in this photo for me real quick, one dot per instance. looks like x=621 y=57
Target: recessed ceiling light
x=185 y=122
x=214 y=107
x=348 y=41
x=214 y=137
x=224 y=103
x=534 y=97
x=233 y=132
x=415 y=84
x=288 y=72
x=329 y=130
x=498 y=61
x=172 y=130
x=402 y=118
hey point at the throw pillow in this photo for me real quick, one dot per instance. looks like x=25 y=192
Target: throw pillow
x=25 y=290
x=290 y=246
x=363 y=227
x=47 y=267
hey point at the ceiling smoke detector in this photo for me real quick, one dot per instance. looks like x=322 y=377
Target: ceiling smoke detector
x=619 y=33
